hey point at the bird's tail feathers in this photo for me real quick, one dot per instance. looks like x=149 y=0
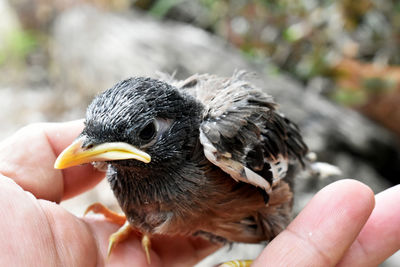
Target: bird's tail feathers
x=321 y=170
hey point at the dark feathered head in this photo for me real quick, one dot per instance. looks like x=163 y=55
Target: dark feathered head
x=139 y=118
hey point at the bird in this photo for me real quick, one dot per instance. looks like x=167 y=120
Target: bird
x=207 y=156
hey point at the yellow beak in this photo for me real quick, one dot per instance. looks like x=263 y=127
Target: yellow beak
x=75 y=155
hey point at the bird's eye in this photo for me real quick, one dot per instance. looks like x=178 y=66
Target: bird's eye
x=148 y=132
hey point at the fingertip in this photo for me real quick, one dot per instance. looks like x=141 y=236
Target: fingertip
x=350 y=185
x=392 y=193
x=387 y=214
x=28 y=158
x=380 y=236
x=325 y=228
x=350 y=190
x=346 y=200
x=77 y=179
x=61 y=134
x=342 y=194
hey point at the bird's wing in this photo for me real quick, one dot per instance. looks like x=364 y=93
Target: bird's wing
x=241 y=131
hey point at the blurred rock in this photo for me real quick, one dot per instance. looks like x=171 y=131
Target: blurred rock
x=20 y=106
x=40 y=14
x=8 y=20
x=122 y=46
x=192 y=12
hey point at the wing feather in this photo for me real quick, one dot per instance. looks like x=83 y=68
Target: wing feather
x=242 y=132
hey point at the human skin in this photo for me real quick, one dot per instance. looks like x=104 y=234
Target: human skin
x=343 y=225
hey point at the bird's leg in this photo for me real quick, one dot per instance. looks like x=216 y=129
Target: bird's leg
x=109 y=214
x=123 y=232
x=146 y=244
x=119 y=236
x=238 y=263
x=116 y=218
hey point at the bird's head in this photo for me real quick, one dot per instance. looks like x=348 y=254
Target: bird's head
x=138 y=122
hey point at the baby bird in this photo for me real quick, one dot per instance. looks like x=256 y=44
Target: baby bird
x=207 y=156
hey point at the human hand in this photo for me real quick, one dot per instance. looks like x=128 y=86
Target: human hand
x=326 y=232
x=343 y=225
x=37 y=232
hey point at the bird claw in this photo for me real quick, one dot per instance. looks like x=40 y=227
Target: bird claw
x=119 y=236
x=123 y=232
x=146 y=244
x=99 y=208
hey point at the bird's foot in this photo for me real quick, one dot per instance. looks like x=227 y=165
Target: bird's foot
x=119 y=236
x=123 y=232
x=99 y=208
x=237 y=263
x=146 y=244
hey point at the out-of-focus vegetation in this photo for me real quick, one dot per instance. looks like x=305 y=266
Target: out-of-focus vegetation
x=346 y=50
x=16 y=46
x=307 y=37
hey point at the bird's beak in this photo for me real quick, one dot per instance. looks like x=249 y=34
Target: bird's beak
x=75 y=155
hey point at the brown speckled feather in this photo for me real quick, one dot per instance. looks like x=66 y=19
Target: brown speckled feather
x=244 y=135
x=241 y=130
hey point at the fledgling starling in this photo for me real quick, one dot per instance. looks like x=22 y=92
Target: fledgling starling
x=207 y=156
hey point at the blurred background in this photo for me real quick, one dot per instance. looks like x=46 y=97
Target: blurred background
x=333 y=66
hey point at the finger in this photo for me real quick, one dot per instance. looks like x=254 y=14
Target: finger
x=380 y=237
x=186 y=251
x=76 y=179
x=324 y=229
x=57 y=237
x=28 y=157
x=20 y=217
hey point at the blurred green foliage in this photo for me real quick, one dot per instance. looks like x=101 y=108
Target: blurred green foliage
x=16 y=46
x=350 y=96
x=161 y=7
x=378 y=85
x=305 y=38
x=344 y=49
